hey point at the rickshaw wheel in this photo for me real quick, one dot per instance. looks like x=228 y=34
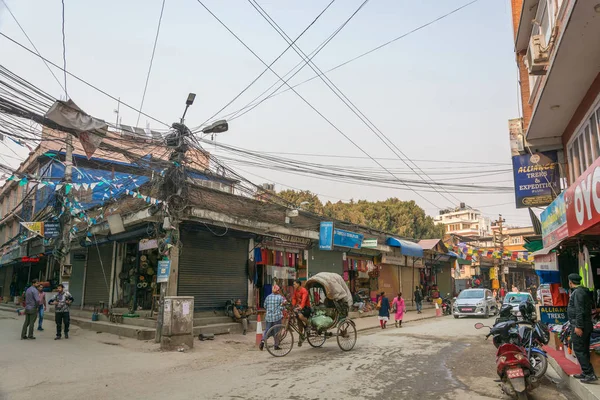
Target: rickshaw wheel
x=285 y=338
x=346 y=335
x=316 y=339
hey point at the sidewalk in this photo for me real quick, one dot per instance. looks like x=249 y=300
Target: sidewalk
x=565 y=368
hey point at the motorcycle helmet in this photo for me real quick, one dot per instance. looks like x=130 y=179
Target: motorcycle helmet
x=527 y=309
x=505 y=311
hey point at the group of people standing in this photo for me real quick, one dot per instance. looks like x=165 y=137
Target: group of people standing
x=397 y=307
x=36 y=305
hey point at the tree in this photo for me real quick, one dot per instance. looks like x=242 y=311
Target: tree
x=402 y=218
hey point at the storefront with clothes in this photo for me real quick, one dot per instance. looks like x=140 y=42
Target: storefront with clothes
x=278 y=261
x=409 y=256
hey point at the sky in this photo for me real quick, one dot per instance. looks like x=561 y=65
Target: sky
x=443 y=93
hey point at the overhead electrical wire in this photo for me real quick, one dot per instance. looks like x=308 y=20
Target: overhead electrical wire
x=338 y=92
x=270 y=65
x=162 y=9
x=306 y=101
x=236 y=114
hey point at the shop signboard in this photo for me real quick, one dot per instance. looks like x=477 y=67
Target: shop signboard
x=326 y=236
x=329 y=236
x=164 y=269
x=551 y=315
x=51 y=230
x=582 y=201
x=148 y=244
x=369 y=244
x=537 y=179
x=546 y=262
x=554 y=222
x=393 y=260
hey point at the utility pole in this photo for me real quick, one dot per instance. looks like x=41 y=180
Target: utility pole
x=499 y=240
x=65 y=255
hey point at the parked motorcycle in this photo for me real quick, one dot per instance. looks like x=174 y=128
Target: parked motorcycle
x=514 y=368
x=446 y=305
x=525 y=333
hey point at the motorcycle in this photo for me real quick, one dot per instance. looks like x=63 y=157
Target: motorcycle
x=446 y=305
x=527 y=333
x=514 y=368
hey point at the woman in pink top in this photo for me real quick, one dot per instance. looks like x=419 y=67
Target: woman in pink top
x=400 y=307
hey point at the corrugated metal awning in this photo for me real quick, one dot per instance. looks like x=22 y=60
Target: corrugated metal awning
x=406 y=247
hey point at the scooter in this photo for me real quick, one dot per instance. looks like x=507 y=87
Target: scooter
x=446 y=305
x=514 y=369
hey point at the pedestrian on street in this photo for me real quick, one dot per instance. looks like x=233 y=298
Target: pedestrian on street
x=32 y=302
x=400 y=307
x=419 y=299
x=384 y=310
x=241 y=315
x=580 y=317
x=274 y=306
x=42 y=307
x=61 y=301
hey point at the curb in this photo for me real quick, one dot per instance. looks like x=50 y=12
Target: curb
x=579 y=389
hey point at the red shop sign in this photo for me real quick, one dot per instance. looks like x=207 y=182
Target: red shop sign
x=30 y=259
x=582 y=201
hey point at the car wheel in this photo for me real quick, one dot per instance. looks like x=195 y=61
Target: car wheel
x=456 y=316
x=487 y=313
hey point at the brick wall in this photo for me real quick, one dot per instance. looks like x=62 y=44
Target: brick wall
x=516 y=6
x=527 y=109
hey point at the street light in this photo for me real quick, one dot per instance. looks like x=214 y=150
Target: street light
x=216 y=127
x=190 y=100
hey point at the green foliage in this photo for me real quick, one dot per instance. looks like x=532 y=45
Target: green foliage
x=402 y=218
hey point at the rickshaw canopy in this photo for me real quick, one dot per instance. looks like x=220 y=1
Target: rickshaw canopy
x=334 y=286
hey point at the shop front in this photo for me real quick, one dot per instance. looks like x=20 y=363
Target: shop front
x=278 y=261
x=409 y=256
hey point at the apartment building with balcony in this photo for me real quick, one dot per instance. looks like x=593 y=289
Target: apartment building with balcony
x=464 y=221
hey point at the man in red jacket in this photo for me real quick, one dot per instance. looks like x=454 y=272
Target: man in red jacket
x=302 y=307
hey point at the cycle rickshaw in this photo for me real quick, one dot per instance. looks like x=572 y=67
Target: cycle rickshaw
x=331 y=301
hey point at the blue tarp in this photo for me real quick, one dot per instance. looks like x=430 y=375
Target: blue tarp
x=407 y=248
x=452 y=254
x=548 y=276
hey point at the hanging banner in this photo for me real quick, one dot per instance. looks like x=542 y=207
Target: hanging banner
x=537 y=179
x=554 y=222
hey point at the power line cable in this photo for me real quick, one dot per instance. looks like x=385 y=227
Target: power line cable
x=270 y=65
x=338 y=92
x=64 y=45
x=32 y=45
x=162 y=9
x=306 y=101
x=276 y=93
x=82 y=80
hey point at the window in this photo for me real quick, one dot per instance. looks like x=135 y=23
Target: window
x=584 y=147
x=516 y=240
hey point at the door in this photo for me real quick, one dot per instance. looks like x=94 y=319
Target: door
x=78 y=260
x=97 y=275
x=213 y=269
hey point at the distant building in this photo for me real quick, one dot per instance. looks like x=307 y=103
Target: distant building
x=464 y=221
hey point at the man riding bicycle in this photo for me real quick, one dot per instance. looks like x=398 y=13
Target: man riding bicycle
x=302 y=308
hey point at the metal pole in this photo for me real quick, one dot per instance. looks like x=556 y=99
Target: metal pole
x=161 y=312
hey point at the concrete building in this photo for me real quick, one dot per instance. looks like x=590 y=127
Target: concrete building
x=464 y=221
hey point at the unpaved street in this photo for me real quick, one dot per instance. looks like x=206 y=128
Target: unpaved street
x=432 y=359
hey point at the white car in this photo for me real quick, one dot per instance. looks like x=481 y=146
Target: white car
x=475 y=302
x=515 y=299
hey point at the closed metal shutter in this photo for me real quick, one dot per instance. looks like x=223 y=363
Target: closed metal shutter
x=213 y=269
x=325 y=261
x=3 y=280
x=96 y=286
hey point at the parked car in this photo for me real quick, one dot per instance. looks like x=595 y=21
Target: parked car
x=478 y=302
x=515 y=299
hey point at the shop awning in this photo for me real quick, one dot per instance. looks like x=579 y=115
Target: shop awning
x=462 y=261
x=546 y=250
x=406 y=247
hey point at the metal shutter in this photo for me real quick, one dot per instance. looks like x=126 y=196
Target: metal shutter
x=3 y=281
x=325 y=261
x=96 y=286
x=212 y=269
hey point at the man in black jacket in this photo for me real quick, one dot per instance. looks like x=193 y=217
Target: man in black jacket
x=580 y=317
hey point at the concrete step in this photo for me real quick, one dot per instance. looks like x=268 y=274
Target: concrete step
x=212 y=320
x=130 y=331
x=221 y=329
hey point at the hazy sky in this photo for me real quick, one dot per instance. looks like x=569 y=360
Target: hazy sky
x=442 y=93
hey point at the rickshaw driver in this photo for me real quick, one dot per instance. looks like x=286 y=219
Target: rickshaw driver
x=301 y=307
